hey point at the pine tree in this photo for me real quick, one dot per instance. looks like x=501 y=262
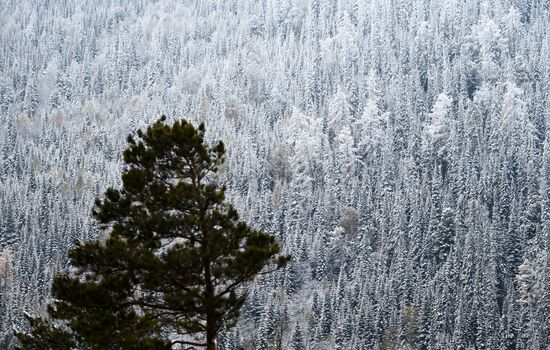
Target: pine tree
x=326 y=317
x=297 y=341
x=268 y=326
x=32 y=97
x=444 y=237
x=175 y=259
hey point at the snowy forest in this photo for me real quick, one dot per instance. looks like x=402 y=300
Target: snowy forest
x=398 y=149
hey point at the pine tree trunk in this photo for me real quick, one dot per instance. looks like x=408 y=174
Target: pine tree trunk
x=211 y=336
x=212 y=343
x=211 y=330
x=211 y=321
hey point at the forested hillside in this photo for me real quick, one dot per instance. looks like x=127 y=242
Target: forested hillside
x=399 y=150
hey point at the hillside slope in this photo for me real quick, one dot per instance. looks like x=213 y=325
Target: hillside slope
x=398 y=149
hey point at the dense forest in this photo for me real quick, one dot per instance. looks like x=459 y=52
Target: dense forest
x=398 y=149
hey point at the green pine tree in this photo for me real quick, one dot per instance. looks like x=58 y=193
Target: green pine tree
x=171 y=269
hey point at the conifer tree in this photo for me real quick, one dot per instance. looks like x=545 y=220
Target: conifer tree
x=297 y=340
x=171 y=270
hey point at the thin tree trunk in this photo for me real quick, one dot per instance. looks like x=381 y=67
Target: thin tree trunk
x=211 y=333
x=211 y=321
x=211 y=317
x=212 y=343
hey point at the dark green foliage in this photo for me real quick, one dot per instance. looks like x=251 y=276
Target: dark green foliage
x=54 y=337
x=174 y=259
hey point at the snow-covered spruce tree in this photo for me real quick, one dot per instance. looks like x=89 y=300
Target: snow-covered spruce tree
x=170 y=271
x=297 y=340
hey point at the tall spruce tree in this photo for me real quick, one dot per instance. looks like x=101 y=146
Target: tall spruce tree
x=171 y=271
